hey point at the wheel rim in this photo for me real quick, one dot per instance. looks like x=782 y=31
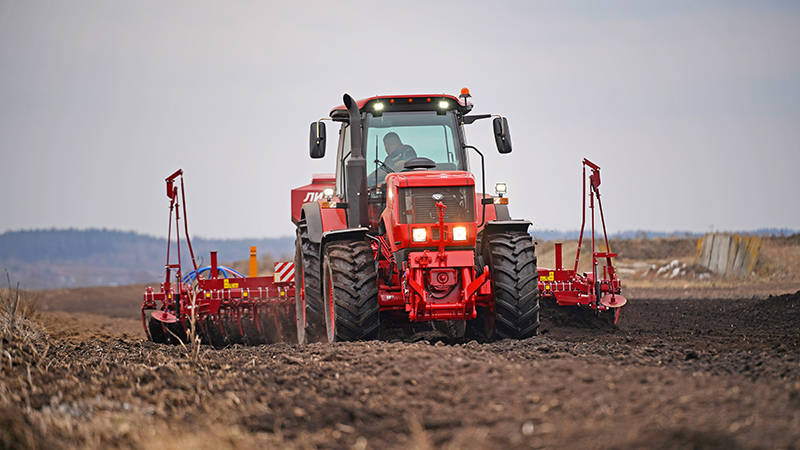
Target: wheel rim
x=300 y=310
x=330 y=317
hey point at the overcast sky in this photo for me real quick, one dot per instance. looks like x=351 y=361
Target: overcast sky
x=692 y=109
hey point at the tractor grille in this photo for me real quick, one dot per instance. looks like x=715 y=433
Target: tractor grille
x=418 y=206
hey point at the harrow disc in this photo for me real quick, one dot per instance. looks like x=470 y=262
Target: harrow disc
x=250 y=328
x=164 y=316
x=212 y=330
x=230 y=327
x=266 y=319
x=613 y=301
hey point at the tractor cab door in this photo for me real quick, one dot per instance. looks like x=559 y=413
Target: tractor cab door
x=377 y=199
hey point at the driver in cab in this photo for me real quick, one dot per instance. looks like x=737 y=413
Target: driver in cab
x=397 y=153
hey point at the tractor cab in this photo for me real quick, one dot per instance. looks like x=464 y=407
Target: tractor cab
x=414 y=137
x=395 y=139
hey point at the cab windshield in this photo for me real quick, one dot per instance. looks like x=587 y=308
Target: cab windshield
x=394 y=138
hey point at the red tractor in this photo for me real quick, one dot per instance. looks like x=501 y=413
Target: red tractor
x=400 y=238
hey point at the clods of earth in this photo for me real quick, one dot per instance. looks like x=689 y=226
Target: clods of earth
x=699 y=373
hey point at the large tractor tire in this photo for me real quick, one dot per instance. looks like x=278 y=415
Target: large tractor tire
x=350 y=290
x=308 y=294
x=515 y=282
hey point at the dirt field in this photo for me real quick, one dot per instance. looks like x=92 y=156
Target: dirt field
x=695 y=363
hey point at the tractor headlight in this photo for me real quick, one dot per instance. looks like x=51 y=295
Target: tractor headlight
x=328 y=192
x=419 y=235
x=500 y=189
x=459 y=233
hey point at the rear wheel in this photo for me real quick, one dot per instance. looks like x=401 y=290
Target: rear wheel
x=351 y=292
x=308 y=297
x=515 y=282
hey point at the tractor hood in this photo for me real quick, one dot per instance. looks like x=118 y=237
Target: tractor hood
x=411 y=202
x=429 y=178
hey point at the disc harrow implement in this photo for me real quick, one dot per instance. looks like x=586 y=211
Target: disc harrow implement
x=227 y=307
x=599 y=290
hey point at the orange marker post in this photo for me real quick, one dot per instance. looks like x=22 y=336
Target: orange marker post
x=253 y=262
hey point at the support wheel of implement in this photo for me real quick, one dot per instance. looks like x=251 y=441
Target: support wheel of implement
x=308 y=295
x=350 y=291
x=512 y=260
x=157 y=332
x=176 y=333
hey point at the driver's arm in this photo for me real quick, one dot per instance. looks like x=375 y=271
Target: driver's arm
x=408 y=153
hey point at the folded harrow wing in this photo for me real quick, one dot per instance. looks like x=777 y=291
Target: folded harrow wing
x=600 y=289
x=226 y=307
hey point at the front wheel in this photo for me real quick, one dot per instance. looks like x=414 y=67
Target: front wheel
x=515 y=284
x=350 y=291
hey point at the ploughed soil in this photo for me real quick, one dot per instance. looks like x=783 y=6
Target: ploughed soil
x=687 y=367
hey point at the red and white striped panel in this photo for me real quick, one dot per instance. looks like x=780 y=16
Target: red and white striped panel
x=284 y=272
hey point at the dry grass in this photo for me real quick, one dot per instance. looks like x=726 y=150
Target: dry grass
x=194 y=338
x=23 y=350
x=193 y=348
x=18 y=307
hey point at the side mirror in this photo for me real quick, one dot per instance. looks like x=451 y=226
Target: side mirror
x=502 y=135
x=317 y=139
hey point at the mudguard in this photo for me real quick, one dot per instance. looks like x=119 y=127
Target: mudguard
x=501 y=226
x=497 y=226
x=322 y=220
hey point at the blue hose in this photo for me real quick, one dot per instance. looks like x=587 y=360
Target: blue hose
x=223 y=271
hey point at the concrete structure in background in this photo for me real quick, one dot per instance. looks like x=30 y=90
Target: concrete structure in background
x=728 y=255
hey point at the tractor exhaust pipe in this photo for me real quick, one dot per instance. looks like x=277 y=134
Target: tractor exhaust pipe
x=356 y=170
